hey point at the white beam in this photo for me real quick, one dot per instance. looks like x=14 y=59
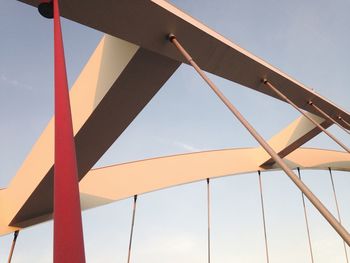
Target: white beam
x=115 y=85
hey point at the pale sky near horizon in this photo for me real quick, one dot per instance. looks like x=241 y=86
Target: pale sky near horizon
x=308 y=40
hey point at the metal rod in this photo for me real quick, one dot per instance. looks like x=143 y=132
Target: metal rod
x=132 y=227
x=208 y=202
x=327 y=116
x=15 y=235
x=284 y=97
x=263 y=216
x=338 y=210
x=313 y=199
x=344 y=121
x=306 y=222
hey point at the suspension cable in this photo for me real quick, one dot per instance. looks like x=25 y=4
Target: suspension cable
x=344 y=121
x=338 y=210
x=132 y=227
x=263 y=217
x=208 y=205
x=306 y=222
x=327 y=116
x=15 y=235
x=284 y=97
x=264 y=144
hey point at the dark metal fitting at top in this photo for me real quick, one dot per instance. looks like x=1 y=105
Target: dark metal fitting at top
x=171 y=36
x=45 y=9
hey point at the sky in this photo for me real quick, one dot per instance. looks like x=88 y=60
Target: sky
x=308 y=40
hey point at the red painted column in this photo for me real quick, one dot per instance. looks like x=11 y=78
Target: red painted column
x=68 y=231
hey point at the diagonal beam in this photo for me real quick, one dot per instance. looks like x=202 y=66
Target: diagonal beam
x=293 y=136
x=285 y=98
x=115 y=85
x=147 y=23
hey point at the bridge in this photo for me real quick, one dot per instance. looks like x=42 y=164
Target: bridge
x=145 y=42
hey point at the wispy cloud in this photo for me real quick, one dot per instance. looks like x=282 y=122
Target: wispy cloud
x=178 y=144
x=15 y=83
x=186 y=146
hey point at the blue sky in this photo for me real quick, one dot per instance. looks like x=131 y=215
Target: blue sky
x=308 y=40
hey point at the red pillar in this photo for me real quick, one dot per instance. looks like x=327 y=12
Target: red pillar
x=68 y=231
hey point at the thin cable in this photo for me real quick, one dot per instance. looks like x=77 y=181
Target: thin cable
x=310 y=195
x=306 y=222
x=263 y=216
x=344 y=121
x=15 y=235
x=208 y=203
x=132 y=227
x=284 y=97
x=338 y=210
x=328 y=117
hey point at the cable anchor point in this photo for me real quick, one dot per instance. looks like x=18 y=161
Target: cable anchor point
x=45 y=9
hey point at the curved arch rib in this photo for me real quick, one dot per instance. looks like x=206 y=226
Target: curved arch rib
x=112 y=183
x=109 y=184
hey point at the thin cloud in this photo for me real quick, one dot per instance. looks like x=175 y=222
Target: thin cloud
x=15 y=83
x=177 y=144
x=186 y=146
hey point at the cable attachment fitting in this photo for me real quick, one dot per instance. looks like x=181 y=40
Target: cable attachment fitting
x=45 y=9
x=15 y=234
x=171 y=36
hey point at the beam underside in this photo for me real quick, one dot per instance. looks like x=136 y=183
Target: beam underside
x=147 y=24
